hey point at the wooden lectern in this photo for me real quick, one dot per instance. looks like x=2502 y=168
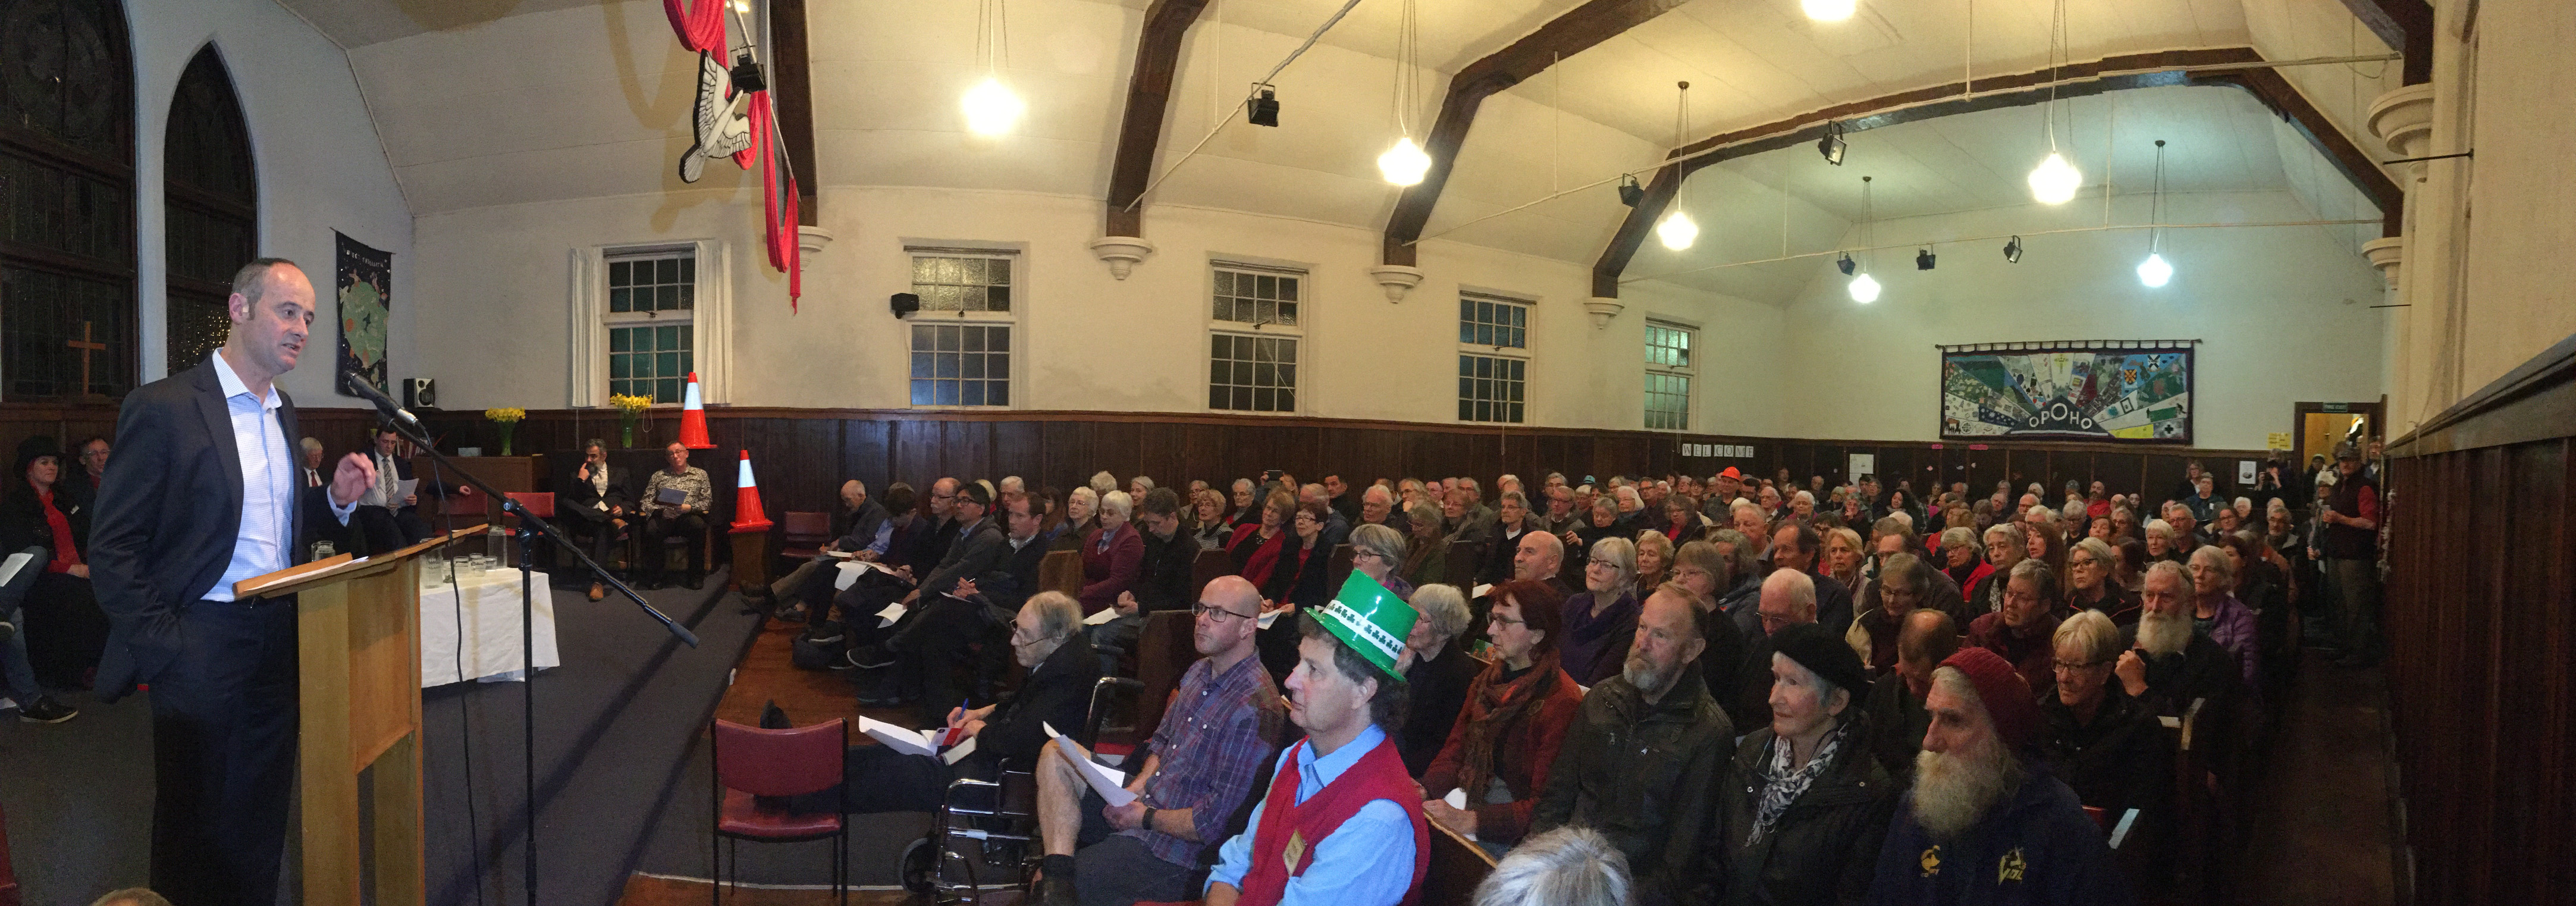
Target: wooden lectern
x=357 y=631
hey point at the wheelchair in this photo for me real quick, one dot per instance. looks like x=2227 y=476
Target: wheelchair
x=999 y=816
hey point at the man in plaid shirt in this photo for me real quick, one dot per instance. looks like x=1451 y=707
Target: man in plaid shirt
x=1206 y=757
x=687 y=518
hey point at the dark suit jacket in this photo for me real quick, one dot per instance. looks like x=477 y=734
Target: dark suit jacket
x=579 y=495
x=168 y=513
x=1164 y=581
x=1021 y=569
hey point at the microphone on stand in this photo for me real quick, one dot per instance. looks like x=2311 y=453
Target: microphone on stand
x=383 y=403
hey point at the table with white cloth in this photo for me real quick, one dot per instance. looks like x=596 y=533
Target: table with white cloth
x=483 y=633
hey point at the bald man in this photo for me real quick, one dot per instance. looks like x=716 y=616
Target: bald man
x=1924 y=639
x=1541 y=558
x=866 y=531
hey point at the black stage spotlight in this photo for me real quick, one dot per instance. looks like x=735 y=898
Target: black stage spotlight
x=2012 y=250
x=1265 y=108
x=746 y=75
x=1844 y=264
x=1923 y=259
x=1629 y=192
x=1832 y=145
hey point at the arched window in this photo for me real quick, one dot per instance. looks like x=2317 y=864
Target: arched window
x=213 y=205
x=66 y=201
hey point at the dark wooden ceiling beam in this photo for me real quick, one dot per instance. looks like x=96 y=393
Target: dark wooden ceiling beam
x=1926 y=103
x=2407 y=26
x=792 y=92
x=1149 y=95
x=1564 y=36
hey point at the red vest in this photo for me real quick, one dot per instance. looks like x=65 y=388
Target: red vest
x=1378 y=775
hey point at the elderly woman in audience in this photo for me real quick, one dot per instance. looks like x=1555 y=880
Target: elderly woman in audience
x=1112 y=554
x=1699 y=566
x=1081 y=518
x=2225 y=522
x=65 y=632
x=1742 y=584
x=1681 y=519
x=1256 y=545
x=1654 y=558
x=1516 y=713
x=2163 y=543
x=2124 y=522
x=2216 y=610
x=2021 y=631
x=1603 y=522
x=1804 y=805
x=2092 y=582
x=1904 y=584
x=2104 y=744
x=1209 y=527
x=1242 y=511
x=1962 y=559
x=1601 y=619
x=1297 y=583
x=1437 y=679
x=1568 y=866
x=1426 y=559
x=1378 y=551
x=2007 y=543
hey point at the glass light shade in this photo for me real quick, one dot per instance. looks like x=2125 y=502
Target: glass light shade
x=2054 y=181
x=1405 y=163
x=1864 y=290
x=1677 y=231
x=1829 y=10
x=2154 y=271
x=992 y=109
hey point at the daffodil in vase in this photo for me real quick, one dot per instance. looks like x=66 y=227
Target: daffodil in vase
x=508 y=418
x=630 y=409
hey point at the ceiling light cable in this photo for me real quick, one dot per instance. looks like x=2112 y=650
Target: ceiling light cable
x=1248 y=95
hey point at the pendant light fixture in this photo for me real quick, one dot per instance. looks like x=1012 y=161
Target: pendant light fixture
x=2156 y=271
x=991 y=107
x=1676 y=229
x=1863 y=287
x=2055 y=180
x=1405 y=163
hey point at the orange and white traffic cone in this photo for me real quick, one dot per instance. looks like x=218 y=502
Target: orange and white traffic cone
x=747 y=515
x=693 y=419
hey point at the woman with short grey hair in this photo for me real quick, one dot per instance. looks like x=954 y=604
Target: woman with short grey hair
x=1436 y=675
x=1568 y=866
x=1601 y=620
x=1379 y=551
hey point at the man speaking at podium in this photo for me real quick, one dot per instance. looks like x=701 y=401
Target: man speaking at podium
x=204 y=492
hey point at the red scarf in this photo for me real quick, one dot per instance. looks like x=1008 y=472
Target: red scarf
x=1377 y=775
x=66 y=554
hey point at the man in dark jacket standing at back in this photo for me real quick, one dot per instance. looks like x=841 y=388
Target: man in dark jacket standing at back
x=1641 y=762
x=1981 y=825
x=204 y=495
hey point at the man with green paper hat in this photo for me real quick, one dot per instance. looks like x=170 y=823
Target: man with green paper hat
x=1342 y=824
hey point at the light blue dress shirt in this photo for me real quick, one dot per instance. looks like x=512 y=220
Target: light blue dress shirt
x=1368 y=861
x=884 y=538
x=268 y=484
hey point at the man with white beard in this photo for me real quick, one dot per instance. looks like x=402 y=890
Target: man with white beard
x=1980 y=825
x=2170 y=663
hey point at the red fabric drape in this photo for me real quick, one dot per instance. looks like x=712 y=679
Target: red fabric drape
x=700 y=27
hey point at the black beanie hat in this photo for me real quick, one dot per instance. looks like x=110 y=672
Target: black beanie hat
x=1825 y=654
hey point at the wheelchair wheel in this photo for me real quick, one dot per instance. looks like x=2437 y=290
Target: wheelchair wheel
x=919 y=867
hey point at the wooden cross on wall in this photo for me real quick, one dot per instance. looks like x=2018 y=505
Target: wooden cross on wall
x=86 y=346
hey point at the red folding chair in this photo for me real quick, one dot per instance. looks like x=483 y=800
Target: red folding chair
x=806 y=534
x=751 y=762
x=9 y=893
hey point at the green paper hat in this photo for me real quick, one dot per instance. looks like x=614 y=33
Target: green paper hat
x=1372 y=620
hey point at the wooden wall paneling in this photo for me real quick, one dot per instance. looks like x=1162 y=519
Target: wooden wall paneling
x=1158 y=454
x=1114 y=446
x=2161 y=473
x=917 y=454
x=867 y=453
x=1066 y=448
x=966 y=450
x=2532 y=556
x=2119 y=472
x=1207 y=455
x=1018 y=450
x=1985 y=467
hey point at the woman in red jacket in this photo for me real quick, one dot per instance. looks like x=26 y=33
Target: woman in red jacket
x=1517 y=713
x=1112 y=554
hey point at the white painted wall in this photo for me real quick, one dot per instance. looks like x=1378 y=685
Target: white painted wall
x=499 y=277
x=2282 y=314
x=320 y=168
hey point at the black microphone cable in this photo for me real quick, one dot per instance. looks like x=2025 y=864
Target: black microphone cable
x=464 y=713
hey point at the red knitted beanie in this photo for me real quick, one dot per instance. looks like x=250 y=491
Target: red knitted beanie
x=2007 y=699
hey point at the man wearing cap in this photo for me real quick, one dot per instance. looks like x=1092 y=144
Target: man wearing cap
x=1980 y=825
x=1205 y=757
x=2350 y=542
x=1342 y=824
x=1641 y=763
x=1723 y=487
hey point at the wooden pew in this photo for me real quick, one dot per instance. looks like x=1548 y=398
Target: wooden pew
x=1061 y=571
x=1457 y=866
x=1164 y=651
x=1461 y=562
x=1338 y=569
x=1209 y=566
